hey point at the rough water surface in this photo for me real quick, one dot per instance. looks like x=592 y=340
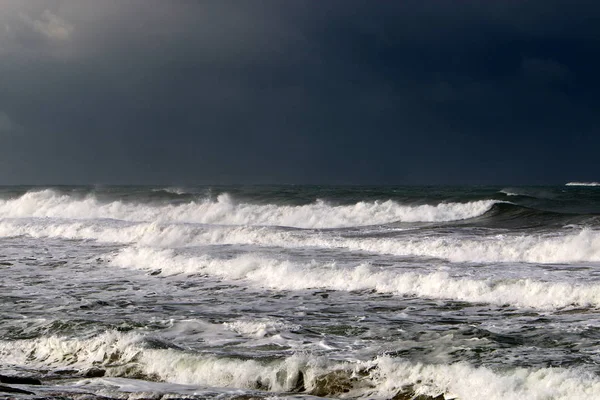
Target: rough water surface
x=300 y=292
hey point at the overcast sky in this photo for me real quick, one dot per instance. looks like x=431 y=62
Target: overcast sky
x=299 y=91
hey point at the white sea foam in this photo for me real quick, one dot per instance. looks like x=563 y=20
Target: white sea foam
x=287 y=275
x=579 y=246
x=583 y=184
x=569 y=247
x=259 y=328
x=465 y=382
x=224 y=210
x=57 y=351
x=123 y=354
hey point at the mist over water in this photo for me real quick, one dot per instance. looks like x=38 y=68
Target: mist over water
x=299 y=291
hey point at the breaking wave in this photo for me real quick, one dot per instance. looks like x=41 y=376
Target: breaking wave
x=225 y=211
x=133 y=355
x=288 y=275
x=582 y=245
x=583 y=184
x=509 y=192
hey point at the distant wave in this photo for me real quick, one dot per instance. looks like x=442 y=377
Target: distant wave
x=131 y=355
x=172 y=190
x=288 y=275
x=509 y=192
x=226 y=211
x=514 y=192
x=533 y=193
x=583 y=184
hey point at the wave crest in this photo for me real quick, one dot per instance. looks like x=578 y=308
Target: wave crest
x=226 y=211
x=583 y=184
x=288 y=275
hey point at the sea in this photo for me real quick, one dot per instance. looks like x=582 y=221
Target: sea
x=301 y=292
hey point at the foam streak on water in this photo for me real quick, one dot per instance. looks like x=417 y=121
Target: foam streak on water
x=337 y=292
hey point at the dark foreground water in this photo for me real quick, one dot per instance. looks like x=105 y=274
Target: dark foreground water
x=300 y=291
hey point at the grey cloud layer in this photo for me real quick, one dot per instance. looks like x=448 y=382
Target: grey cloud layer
x=270 y=91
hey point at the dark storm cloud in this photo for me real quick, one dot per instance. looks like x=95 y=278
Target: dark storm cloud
x=271 y=91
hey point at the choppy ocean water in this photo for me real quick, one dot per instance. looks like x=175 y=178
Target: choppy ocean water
x=302 y=291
